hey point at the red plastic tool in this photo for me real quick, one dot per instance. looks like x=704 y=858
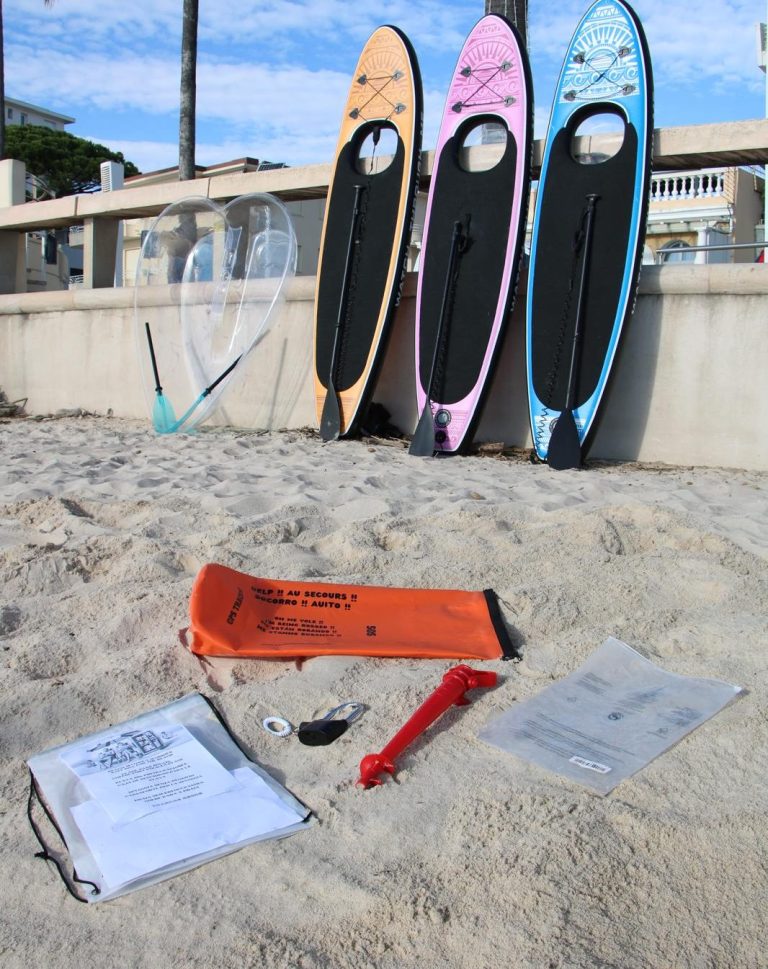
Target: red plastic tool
x=451 y=691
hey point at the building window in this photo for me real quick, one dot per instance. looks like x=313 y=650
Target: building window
x=675 y=251
x=50 y=249
x=22 y=118
x=10 y=114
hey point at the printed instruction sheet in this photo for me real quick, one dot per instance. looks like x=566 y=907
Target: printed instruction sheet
x=135 y=772
x=609 y=718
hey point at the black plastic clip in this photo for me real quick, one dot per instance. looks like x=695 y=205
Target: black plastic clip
x=320 y=733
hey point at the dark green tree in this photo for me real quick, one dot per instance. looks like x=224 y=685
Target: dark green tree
x=66 y=163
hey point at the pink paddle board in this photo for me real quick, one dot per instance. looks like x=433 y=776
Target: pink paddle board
x=473 y=234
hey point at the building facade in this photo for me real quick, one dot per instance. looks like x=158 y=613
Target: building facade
x=709 y=207
x=22 y=112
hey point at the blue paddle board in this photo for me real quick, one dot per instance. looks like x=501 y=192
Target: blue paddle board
x=589 y=225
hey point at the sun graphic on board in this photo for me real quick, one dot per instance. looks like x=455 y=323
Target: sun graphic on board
x=381 y=88
x=488 y=75
x=605 y=64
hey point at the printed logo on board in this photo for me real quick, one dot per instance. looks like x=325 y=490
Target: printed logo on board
x=489 y=76
x=605 y=60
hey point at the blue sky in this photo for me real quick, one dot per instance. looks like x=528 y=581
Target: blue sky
x=273 y=74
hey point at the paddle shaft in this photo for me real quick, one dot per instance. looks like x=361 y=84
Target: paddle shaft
x=158 y=388
x=580 y=301
x=423 y=440
x=344 y=288
x=456 y=241
x=208 y=389
x=221 y=376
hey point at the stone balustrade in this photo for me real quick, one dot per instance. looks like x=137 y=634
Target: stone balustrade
x=685 y=186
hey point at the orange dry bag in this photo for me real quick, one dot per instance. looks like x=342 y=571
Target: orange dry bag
x=234 y=614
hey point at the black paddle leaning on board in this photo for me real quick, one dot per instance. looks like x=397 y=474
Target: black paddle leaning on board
x=423 y=441
x=330 y=420
x=564 y=444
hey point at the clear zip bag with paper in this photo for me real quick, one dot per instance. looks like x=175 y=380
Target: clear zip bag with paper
x=609 y=718
x=153 y=797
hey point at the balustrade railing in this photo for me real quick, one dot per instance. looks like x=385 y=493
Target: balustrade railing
x=683 y=186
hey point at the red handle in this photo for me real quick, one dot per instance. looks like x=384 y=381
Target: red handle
x=451 y=691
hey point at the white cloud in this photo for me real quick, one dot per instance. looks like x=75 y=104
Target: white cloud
x=100 y=80
x=278 y=112
x=148 y=156
x=255 y=23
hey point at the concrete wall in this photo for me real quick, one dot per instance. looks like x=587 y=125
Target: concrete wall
x=688 y=387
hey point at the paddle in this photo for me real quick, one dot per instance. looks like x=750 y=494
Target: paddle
x=190 y=410
x=423 y=441
x=330 y=419
x=564 y=449
x=163 y=416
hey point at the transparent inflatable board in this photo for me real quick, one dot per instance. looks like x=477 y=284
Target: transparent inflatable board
x=210 y=281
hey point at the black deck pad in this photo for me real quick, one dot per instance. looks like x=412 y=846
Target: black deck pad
x=558 y=264
x=378 y=232
x=482 y=202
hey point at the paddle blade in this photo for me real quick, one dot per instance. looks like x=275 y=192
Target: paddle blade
x=423 y=441
x=163 y=416
x=330 y=419
x=564 y=449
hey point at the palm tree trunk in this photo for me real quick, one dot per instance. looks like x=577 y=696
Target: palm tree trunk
x=188 y=91
x=2 y=87
x=514 y=10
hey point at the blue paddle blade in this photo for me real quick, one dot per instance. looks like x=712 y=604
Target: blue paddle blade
x=163 y=416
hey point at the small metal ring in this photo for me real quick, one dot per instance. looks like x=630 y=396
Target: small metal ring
x=281 y=722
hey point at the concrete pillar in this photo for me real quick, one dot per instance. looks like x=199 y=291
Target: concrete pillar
x=13 y=269
x=13 y=175
x=13 y=265
x=702 y=239
x=99 y=252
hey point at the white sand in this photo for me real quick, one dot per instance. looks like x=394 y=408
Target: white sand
x=471 y=858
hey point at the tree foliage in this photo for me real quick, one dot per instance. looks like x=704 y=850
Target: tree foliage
x=67 y=164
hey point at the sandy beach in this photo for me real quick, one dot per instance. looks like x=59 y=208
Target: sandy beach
x=470 y=857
